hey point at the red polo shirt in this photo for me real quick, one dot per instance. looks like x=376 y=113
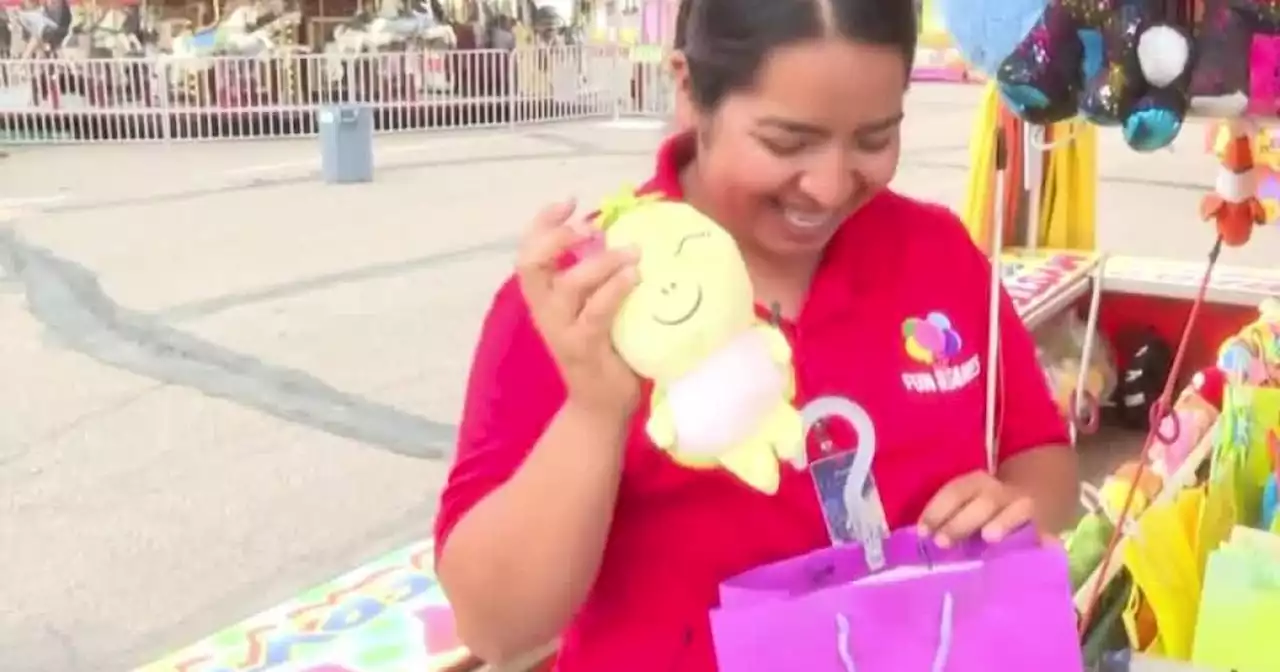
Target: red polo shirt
x=677 y=533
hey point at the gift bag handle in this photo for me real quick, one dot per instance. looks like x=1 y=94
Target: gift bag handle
x=945 y=631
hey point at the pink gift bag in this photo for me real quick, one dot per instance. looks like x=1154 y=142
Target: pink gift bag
x=1264 y=75
x=972 y=607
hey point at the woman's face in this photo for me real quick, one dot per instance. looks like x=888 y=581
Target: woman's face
x=784 y=163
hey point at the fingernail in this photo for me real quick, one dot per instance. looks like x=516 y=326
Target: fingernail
x=992 y=534
x=923 y=530
x=942 y=541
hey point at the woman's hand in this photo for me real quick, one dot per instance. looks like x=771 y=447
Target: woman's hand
x=574 y=308
x=976 y=503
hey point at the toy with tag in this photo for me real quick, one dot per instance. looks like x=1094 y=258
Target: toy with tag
x=722 y=378
x=846 y=491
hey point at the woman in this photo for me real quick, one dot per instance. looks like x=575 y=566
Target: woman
x=559 y=517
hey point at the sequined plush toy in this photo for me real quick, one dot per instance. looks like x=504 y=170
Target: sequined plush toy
x=1116 y=62
x=723 y=382
x=1140 y=83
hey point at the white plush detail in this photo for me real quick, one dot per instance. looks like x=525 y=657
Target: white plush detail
x=1163 y=54
x=1235 y=187
x=723 y=402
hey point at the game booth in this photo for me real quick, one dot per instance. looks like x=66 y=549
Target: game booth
x=1175 y=563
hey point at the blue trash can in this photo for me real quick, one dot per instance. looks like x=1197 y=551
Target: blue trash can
x=346 y=144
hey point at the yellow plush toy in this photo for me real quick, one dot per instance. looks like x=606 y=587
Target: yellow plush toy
x=722 y=378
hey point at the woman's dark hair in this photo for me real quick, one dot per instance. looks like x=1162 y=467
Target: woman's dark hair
x=725 y=41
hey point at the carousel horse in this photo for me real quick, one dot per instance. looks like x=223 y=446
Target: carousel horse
x=255 y=29
x=110 y=33
x=251 y=29
x=395 y=27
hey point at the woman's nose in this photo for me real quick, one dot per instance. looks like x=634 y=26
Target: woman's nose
x=830 y=181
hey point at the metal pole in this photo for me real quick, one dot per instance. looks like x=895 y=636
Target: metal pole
x=1033 y=154
x=993 y=331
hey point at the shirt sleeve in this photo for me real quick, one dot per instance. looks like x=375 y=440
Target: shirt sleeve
x=513 y=391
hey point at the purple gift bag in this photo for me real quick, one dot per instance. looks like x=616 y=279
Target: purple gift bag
x=973 y=607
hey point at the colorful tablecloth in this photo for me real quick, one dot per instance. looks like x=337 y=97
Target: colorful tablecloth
x=388 y=616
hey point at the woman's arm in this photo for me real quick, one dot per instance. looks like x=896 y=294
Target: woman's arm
x=527 y=507
x=1050 y=476
x=520 y=563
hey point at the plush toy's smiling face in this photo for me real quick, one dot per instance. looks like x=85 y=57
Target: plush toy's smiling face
x=694 y=293
x=673 y=294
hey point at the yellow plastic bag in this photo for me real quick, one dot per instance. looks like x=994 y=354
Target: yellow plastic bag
x=980 y=201
x=1161 y=558
x=1239 y=610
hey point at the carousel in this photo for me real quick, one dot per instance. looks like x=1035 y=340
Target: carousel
x=211 y=54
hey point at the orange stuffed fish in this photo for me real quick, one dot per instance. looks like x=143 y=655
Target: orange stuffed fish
x=1233 y=205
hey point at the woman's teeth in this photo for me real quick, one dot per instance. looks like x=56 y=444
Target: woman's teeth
x=806 y=220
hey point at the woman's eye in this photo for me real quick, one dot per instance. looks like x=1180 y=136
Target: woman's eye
x=874 y=144
x=783 y=147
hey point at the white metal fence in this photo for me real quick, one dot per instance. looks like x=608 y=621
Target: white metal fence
x=164 y=98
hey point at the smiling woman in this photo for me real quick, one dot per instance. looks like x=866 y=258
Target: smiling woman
x=562 y=518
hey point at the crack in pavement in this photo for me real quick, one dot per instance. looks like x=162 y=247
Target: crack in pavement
x=69 y=302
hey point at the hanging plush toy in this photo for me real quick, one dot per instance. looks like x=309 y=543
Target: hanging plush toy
x=1233 y=205
x=722 y=378
x=1239 y=57
x=1117 y=62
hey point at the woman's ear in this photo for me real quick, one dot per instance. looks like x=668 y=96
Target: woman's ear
x=686 y=112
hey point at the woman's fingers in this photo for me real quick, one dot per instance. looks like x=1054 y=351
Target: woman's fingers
x=953 y=497
x=547 y=240
x=968 y=519
x=602 y=306
x=575 y=285
x=1015 y=514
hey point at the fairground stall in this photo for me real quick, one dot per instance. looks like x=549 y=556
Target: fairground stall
x=1174 y=564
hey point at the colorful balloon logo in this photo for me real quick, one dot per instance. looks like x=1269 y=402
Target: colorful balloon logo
x=931 y=341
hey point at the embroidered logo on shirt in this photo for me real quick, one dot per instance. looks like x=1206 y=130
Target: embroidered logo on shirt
x=933 y=342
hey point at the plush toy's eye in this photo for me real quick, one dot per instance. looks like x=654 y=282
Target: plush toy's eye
x=690 y=237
